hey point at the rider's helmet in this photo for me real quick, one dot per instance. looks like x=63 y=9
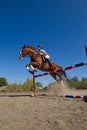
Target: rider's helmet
x=40 y=47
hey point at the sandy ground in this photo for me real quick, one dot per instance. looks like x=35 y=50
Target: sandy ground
x=21 y=112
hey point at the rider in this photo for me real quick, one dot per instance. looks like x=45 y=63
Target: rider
x=44 y=55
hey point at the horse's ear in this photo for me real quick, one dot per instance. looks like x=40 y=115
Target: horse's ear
x=24 y=46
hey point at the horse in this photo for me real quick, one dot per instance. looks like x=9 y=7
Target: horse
x=37 y=62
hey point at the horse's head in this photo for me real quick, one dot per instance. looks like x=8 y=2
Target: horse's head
x=26 y=51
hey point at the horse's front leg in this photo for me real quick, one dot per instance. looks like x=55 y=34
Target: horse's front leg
x=32 y=66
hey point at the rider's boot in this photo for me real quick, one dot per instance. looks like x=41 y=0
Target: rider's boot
x=47 y=60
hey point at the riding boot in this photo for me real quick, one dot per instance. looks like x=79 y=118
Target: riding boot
x=43 y=59
x=49 y=62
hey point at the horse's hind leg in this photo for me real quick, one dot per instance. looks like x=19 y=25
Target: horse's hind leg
x=55 y=77
x=59 y=75
x=58 y=78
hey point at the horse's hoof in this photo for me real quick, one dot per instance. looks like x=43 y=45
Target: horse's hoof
x=34 y=95
x=27 y=65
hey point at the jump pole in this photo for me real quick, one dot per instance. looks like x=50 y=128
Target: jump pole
x=62 y=69
x=34 y=85
x=33 y=81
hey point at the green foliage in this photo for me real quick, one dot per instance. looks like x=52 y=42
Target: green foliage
x=3 y=81
x=28 y=85
x=25 y=87
x=13 y=88
x=75 y=83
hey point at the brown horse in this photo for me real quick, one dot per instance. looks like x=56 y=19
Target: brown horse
x=37 y=62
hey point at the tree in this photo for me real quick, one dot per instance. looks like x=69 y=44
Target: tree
x=84 y=79
x=3 y=81
x=74 y=79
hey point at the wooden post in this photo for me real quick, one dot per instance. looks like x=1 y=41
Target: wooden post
x=34 y=85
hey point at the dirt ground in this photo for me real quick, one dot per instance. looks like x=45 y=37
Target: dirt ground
x=21 y=112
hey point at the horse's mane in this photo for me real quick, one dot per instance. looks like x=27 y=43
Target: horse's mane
x=31 y=47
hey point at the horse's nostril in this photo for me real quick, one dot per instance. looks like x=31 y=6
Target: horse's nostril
x=20 y=57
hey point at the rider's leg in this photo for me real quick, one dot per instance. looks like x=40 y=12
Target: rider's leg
x=47 y=60
x=43 y=58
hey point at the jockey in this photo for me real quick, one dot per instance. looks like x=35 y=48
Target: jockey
x=44 y=55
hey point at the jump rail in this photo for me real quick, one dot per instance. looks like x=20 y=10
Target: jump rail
x=66 y=96
x=62 y=69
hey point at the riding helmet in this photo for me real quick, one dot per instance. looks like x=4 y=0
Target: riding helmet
x=39 y=46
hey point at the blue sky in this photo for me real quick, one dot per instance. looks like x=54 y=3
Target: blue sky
x=60 y=26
